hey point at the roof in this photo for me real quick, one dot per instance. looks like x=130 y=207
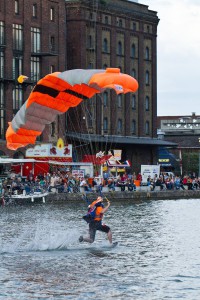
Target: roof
x=119 y=139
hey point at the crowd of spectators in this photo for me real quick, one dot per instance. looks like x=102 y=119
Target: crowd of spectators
x=67 y=183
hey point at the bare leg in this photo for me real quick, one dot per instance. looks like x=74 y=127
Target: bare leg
x=109 y=234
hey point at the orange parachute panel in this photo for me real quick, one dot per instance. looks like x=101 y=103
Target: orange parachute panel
x=55 y=94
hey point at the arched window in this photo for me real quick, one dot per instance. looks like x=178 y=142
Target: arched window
x=147 y=103
x=119 y=101
x=147 y=53
x=119 y=126
x=105 y=124
x=133 y=104
x=35 y=10
x=105 y=45
x=120 y=23
x=133 y=127
x=106 y=19
x=133 y=51
x=119 y=48
x=147 y=80
x=105 y=99
x=147 y=129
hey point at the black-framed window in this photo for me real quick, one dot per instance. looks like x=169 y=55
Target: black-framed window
x=119 y=101
x=133 y=73
x=133 y=102
x=52 y=14
x=105 y=45
x=17 y=37
x=35 y=68
x=35 y=40
x=147 y=128
x=147 y=78
x=119 y=126
x=52 y=43
x=2 y=112
x=105 y=99
x=34 y=11
x=119 y=48
x=105 y=124
x=147 y=57
x=17 y=66
x=147 y=103
x=17 y=98
x=133 y=50
x=2 y=64
x=133 y=127
x=2 y=33
x=16 y=7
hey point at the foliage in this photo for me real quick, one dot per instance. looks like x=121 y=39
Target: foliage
x=190 y=163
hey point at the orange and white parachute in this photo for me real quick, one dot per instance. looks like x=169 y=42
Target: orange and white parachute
x=55 y=94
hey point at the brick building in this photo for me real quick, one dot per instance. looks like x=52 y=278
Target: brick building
x=31 y=43
x=42 y=36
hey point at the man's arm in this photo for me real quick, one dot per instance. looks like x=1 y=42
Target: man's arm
x=106 y=208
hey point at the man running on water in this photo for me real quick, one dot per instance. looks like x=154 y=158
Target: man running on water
x=96 y=224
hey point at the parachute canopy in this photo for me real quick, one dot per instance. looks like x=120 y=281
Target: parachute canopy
x=55 y=94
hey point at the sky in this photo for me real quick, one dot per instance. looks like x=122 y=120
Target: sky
x=178 y=46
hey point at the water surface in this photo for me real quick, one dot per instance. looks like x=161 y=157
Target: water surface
x=158 y=255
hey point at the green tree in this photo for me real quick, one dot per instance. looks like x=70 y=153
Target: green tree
x=190 y=163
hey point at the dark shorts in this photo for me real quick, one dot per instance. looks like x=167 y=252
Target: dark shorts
x=97 y=225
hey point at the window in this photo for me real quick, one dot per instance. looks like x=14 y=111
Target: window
x=106 y=19
x=147 y=80
x=133 y=51
x=147 y=104
x=1 y=64
x=105 y=66
x=119 y=48
x=133 y=73
x=120 y=23
x=105 y=45
x=35 y=68
x=2 y=112
x=134 y=26
x=35 y=40
x=147 y=53
x=52 y=14
x=105 y=124
x=17 y=98
x=105 y=99
x=17 y=37
x=52 y=43
x=147 y=128
x=16 y=7
x=133 y=127
x=2 y=33
x=17 y=66
x=53 y=129
x=35 y=10
x=119 y=126
x=133 y=102
x=52 y=69
x=89 y=118
x=119 y=101
x=91 y=65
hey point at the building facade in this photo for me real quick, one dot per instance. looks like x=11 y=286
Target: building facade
x=38 y=37
x=31 y=43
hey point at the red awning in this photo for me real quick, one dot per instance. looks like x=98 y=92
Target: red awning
x=96 y=160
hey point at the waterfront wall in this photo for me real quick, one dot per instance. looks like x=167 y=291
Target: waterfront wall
x=133 y=197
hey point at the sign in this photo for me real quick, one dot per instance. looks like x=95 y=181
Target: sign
x=149 y=170
x=80 y=173
x=50 y=151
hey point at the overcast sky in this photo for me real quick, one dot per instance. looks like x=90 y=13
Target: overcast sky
x=178 y=56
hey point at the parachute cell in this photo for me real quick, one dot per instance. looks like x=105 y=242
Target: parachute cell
x=55 y=94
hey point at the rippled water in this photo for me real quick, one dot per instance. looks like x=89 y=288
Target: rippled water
x=158 y=255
